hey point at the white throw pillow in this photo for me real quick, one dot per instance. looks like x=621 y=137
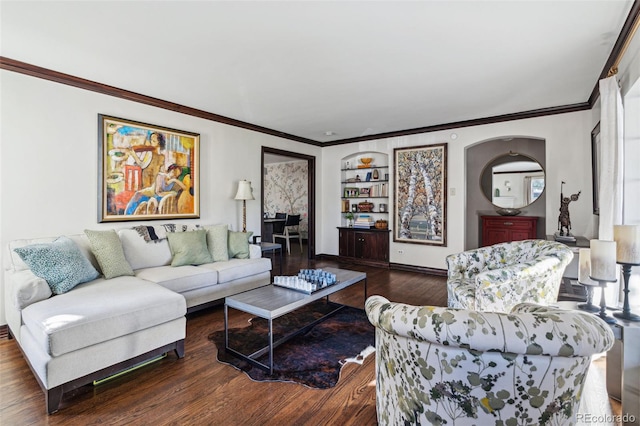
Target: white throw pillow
x=142 y=254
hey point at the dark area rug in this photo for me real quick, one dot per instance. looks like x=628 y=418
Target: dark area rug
x=313 y=359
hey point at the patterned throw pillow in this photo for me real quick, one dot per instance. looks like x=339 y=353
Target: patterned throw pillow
x=60 y=263
x=189 y=248
x=107 y=248
x=217 y=237
x=239 y=244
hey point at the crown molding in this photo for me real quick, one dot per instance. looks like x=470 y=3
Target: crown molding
x=626 y=33
x=468 y=123
x=70 y=80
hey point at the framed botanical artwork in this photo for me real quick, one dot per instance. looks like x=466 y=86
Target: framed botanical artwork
x=595 y=167
x=146 y=171
x=420 y=207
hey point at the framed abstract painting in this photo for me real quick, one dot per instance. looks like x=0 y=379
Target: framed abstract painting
x=146 y=171
x=420 y=207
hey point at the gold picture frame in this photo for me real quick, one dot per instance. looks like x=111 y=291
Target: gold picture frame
x=146 y=172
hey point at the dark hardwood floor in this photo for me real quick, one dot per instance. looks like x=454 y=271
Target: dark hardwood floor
x=198 y=390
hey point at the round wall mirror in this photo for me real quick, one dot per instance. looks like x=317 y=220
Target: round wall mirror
x=512 y=181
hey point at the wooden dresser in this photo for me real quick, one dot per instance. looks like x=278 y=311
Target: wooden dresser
x=502 y=229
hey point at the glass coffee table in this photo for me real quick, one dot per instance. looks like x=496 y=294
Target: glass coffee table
x=270 y=302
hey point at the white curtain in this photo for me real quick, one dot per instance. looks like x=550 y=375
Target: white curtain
x=610 y=167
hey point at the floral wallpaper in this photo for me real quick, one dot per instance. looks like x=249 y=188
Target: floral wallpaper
x=285 y=190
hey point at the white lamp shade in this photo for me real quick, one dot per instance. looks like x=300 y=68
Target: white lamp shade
x=603 y=260
x=244 y=191
x=628 y=239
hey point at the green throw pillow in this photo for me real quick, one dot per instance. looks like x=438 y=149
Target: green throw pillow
x=107 y=248
x=239 y=244
x=189 y=248
x=217 y=242
x=60 y=263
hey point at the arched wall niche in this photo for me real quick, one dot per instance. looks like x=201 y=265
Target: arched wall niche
x=477 y=205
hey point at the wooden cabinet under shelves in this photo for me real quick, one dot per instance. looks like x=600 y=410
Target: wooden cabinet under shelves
x=502 y=229
x=367 y=246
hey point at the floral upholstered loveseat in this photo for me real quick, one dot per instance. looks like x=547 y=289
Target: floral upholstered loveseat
x=437 y=365
x=498 y=277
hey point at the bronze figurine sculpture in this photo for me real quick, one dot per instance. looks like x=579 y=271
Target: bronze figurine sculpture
x=564 y=221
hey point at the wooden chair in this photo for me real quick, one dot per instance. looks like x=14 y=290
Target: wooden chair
x=288 y=230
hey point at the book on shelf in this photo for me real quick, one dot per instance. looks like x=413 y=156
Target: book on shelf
x=379 y=190
x=364 y=221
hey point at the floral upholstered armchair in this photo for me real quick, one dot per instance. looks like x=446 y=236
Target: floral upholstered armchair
x=437 y=365
x=498 y=277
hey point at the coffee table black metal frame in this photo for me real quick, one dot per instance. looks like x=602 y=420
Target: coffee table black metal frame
x=270 y=302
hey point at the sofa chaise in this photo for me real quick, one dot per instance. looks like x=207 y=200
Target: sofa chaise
x=136 y=286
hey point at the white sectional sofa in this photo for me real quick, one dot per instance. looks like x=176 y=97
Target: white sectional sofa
x=132 y=311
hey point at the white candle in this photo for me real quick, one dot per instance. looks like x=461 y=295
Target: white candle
x=584 y=269
x=628 y=239
x=603 y=260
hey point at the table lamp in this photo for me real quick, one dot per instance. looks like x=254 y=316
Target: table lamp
x=244 y=193
x=627 y=238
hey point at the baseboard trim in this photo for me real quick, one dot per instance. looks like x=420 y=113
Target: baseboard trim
x=420 y=269
x=396 y=266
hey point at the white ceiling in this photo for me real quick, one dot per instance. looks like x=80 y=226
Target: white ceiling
x=305 y=68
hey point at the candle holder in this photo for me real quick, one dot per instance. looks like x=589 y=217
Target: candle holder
x=588 y=306
x=603 y=303
x=626 y=311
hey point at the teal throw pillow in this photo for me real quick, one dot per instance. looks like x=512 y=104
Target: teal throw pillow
x=189 y=248
x=60 y=263
x=239 y=244
x=217 y=236
x=107 y=248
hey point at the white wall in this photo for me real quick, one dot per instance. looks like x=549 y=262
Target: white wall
x=568 y=150
x=49 y=157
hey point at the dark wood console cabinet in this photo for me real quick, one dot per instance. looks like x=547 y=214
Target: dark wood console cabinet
x=366 y=246
x=502 y=229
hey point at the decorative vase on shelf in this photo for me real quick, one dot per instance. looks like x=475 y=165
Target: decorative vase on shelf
x=376 y=175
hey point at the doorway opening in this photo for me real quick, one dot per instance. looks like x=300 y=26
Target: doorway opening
x=288 y=186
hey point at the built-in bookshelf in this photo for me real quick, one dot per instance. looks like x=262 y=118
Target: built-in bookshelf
x=365 y=188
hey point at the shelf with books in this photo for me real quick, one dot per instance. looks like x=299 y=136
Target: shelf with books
x=365 y=185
